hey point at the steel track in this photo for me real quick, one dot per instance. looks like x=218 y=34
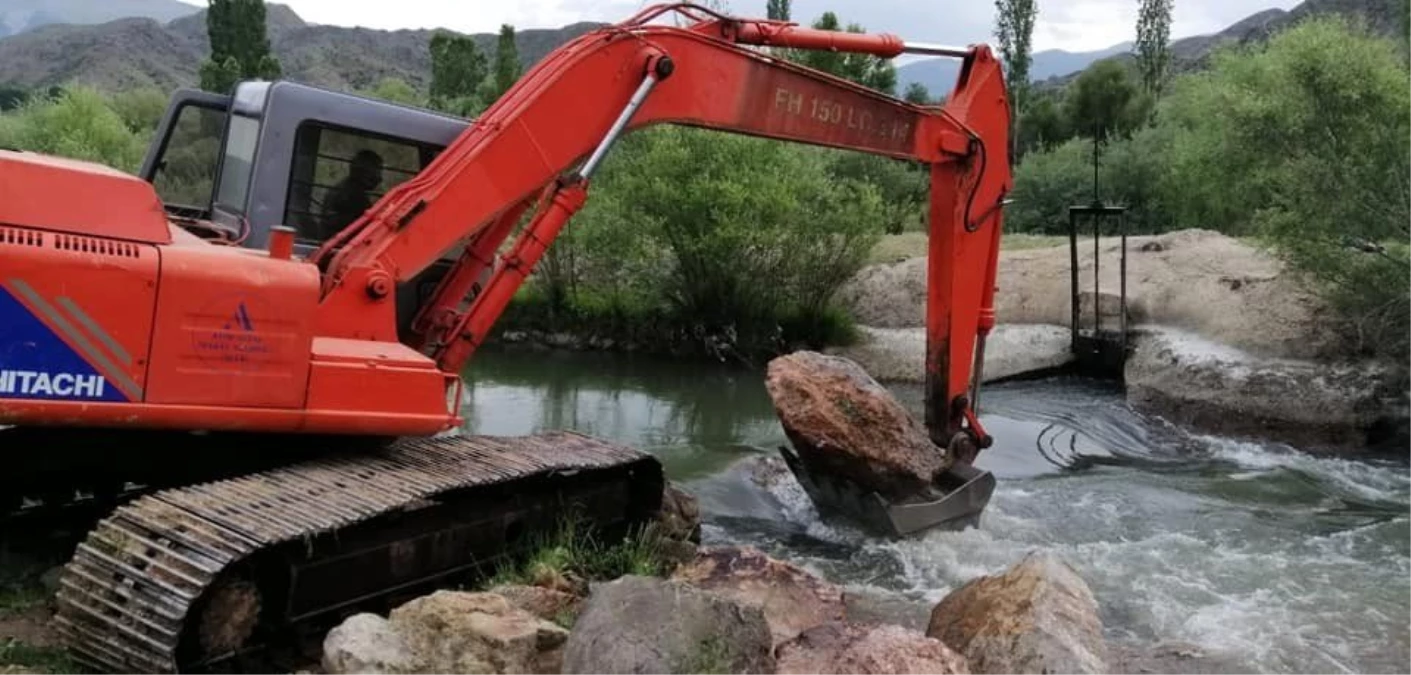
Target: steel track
x=184 y=577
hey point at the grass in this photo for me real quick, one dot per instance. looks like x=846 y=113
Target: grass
x=573 y=552
x=19 y=598
x=45 y=659
x=907 y=245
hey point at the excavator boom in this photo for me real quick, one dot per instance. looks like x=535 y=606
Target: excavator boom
x=522 y=150
x=210 y=352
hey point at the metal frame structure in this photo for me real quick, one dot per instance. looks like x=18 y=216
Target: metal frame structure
x=1096 y=351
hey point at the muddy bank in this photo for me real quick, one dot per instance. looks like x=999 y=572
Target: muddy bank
x=1203 y=282
x=1224 y=339
x=1197 y=383
x=899 y=354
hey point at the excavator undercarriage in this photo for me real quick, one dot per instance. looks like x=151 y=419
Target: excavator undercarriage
x=193 y=577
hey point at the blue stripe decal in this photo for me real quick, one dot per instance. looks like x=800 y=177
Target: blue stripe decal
x=36 y=364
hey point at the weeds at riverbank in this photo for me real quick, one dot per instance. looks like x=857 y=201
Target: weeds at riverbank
x=17 y=656
x=572 y=554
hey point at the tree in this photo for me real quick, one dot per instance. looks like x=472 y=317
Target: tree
x=1104 y=102
x=457 y=69
x=1043 y=125
x=395 y=90
x=778 y=10
x=1014 y=28
x=239 y=46
x=867 y=70
x=1153 y=48
x=507 y=66
x=917 y=93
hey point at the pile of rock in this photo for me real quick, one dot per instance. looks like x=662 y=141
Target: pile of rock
x=734 y=609
x=731 y=610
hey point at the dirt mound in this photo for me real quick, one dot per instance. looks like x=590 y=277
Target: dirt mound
x=1218 y=287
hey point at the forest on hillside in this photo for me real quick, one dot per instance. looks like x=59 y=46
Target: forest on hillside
x=735 y=246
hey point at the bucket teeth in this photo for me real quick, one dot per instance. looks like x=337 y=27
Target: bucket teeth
x=959 y=496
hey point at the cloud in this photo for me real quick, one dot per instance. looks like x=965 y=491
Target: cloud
x=1074 y=25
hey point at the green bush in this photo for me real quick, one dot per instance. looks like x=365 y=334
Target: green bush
x=1130 y=174
x=1300 y=142
x=1309 y=153
x=78 y=123
x=726 y=243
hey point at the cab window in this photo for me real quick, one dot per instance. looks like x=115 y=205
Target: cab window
x=185 y=174
x=338 y=174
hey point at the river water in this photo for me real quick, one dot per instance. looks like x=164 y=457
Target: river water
x=1262 y=558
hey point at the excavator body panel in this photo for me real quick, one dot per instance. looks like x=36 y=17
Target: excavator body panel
x=103 y=332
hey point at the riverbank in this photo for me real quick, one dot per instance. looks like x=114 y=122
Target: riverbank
x=1204 y=553
x=669 y=606
x=1223 y=338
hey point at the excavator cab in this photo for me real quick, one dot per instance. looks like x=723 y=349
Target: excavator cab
x=282 y=153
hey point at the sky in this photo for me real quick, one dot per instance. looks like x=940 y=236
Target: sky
x=1072 y=25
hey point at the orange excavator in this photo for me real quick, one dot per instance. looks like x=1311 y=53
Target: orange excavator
x=289 y=389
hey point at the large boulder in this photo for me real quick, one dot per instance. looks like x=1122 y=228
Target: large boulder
x=678 y=524
x=842 y=420
x=1320 y=406
x=1037 y=617
x=792 y=599
x=838 y=647
x=367 y=643
x=457 y=632
x=641 y=624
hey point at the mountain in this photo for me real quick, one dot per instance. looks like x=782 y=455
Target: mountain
x=144 y=52
x=148 y=49
x=1192 y=53
x=938 y=75
x=18 y=16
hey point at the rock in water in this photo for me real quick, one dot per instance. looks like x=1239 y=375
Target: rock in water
x=840 y=418
x=679 y=524
x=639 y=624
x=456 y=632
x=792 y=599
x=870 y=650
x=366 y=643
x=1037 y=617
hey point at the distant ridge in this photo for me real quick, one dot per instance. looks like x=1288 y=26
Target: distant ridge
x=163 y=42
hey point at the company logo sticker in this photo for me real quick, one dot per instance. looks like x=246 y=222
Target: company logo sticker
x=235 y=342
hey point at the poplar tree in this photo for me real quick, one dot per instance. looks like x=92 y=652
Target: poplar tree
x=1014 y=29
x=239 y=46
x=457 y=69
x=507 y=66
x=1153 y=43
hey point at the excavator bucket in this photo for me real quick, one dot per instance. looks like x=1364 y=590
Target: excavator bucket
x=964 y=492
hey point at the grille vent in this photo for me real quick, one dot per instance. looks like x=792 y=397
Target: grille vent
x=17 y=237
x=70 y=242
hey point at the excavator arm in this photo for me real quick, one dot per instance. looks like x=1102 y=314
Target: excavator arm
x=115 y=324
x=539 y=144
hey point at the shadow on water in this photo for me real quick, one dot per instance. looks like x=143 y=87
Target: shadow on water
x=696 y=417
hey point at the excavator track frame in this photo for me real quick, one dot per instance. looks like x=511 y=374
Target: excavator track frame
x=271 y=551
